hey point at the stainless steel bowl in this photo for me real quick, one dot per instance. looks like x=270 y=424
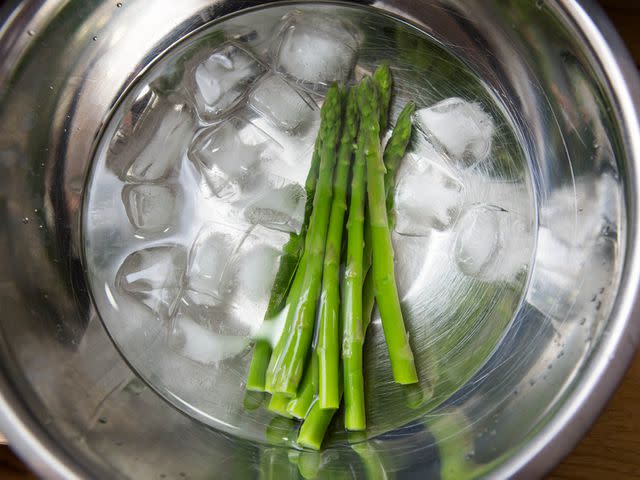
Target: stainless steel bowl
x=71 y=405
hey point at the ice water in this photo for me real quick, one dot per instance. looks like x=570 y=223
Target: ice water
x=198 y=181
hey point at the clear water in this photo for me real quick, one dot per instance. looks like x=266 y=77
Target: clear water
x=197 y=182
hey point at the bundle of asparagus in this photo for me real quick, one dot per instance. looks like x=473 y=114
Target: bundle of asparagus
x=305 y=381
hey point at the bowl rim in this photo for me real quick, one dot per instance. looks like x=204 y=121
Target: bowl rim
x=607 y=363
x=612 y=356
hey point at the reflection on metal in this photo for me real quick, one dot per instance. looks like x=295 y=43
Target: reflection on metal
x=563 y=330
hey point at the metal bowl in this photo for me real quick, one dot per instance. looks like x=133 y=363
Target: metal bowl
x=519 y=382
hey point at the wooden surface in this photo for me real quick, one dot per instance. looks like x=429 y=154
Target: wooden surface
x=611 y=449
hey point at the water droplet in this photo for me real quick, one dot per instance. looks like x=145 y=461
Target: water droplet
x=25 y=220
x=41 y=226
x=35 y=210
x=50 y=87
x=601 y=290
x=102 y=420
x=493 y=433
x=95 y=38
x=31 y=33
x=583 y=321
x=119 y=4
x=561 y=354
x=532 y=382
x=540 y=3
x=549 y=366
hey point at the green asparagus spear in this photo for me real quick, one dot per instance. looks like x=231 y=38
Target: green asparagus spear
x=383 y=81
x=285 y=369
x=289 y=261
x=328 y=349
x=386 y=293
x=299 y=406
x=278 y=404
x=393 y=154
x=352 y=331
x=317 y=421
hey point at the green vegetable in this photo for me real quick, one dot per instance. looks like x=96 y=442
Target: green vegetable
x=394 y=153
x=286 y=368
x=328 y=349
x=299 y=406
x=289 y=262
x=386 y=293
x=278 y=404
x=314 y=426
x=383 y=81
x=352 y=328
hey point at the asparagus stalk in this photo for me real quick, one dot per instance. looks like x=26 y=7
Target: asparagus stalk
x=383 y=81
x=386 y=293
x=300 y=405
x=393 y=154
x=314 y=426
x=285 y=370
x=278 y=404
x=328 y=349
x=289 y=262
x=353 y=337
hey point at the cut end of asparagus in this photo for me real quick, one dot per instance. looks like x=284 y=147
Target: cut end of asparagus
x=278 y=404
x=314 y=427
x=404 y=372
x=258 y=369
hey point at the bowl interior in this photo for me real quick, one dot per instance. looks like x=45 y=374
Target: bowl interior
x=508 y=266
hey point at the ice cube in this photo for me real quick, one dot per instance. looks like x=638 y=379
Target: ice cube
x=281 y=104
x=491 y=243
x=463 y=129
x=478 y=239
x=256 y=271
x=152 y=208
x=220 y=80
x=222 y=319
x=279 y=206
x=192 y=339
x=258 y=36
x=207 y=278
x=427 y=196
x=152 y=138
x=154 y=277
x=317 y=49
x=251 y=273
x=226 y=156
